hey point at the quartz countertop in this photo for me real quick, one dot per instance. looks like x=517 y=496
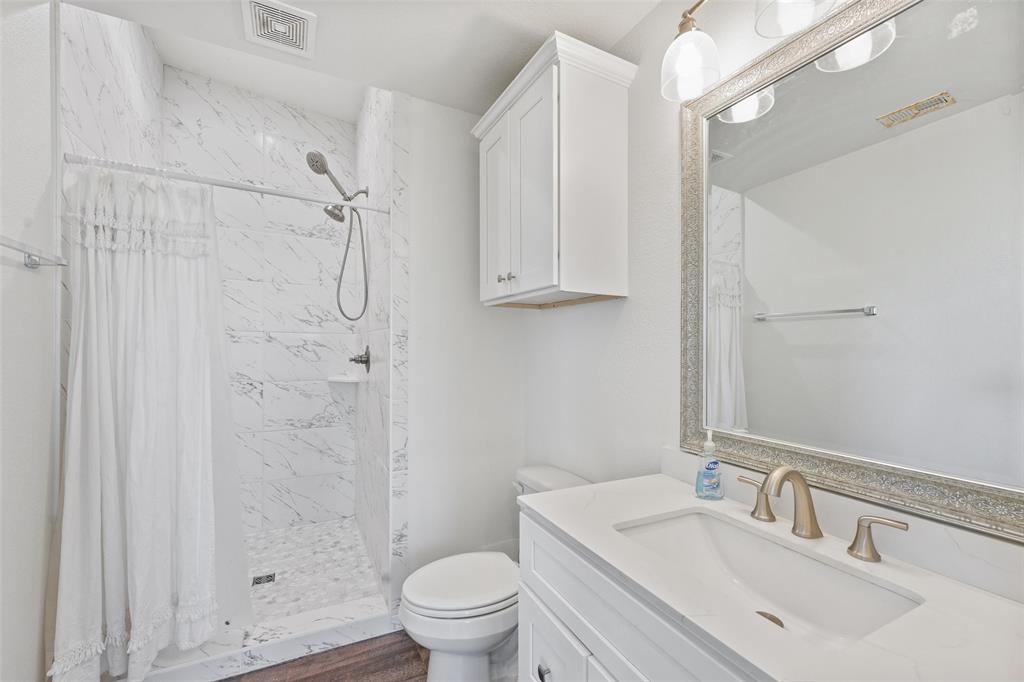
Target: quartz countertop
x=957 y=632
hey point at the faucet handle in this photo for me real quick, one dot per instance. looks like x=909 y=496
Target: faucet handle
x=863 y=545
x=762 y=508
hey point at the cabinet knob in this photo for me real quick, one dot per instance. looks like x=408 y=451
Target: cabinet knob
x=510 y=277
x=542 y=672
x=501 y=278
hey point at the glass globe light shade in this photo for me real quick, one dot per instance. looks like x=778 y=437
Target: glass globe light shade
x=780 y=18
x=690 y=66
x=755 y=106
x=857 y=52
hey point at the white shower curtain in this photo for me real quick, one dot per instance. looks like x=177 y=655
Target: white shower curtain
x=137 y=569
x=726 y=390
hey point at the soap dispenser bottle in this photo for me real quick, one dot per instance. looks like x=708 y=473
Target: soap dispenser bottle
x=709 y=479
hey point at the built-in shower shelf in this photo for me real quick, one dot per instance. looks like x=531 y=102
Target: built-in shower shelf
x=347 y=378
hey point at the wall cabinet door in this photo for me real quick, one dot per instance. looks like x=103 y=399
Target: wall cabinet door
x=495 y=211
x=533 y=131
x=561 y=126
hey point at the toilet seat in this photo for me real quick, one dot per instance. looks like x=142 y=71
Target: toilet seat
x=459 y=613
x=463 y=586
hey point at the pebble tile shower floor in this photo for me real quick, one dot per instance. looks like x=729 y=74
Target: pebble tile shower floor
x=316 y=565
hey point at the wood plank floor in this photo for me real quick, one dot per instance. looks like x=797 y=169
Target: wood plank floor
x=390 y=658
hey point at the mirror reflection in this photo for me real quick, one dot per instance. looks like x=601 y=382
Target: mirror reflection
x=865 y=261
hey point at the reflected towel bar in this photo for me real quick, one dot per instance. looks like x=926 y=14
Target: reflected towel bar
x=33 y=259
x=867 y=311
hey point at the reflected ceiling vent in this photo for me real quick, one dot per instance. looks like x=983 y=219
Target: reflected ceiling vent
x=919 y=108
x=280 y=26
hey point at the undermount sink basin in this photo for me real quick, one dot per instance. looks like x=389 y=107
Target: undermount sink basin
x=807 y=594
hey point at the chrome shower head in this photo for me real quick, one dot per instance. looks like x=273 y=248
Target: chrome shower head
x=335 y=212
x=317 y=162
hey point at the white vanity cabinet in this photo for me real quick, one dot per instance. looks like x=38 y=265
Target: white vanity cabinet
x=576 y=623
x=553 y=180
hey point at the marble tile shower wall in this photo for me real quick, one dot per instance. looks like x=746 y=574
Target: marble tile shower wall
x=111 y=107
x=373 y=166
x=401 y=227
x=110 y=102
x=279 y=257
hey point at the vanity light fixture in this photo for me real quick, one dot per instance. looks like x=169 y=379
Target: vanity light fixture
x=864 y=48
x=750 y=108
x=691 y=64
x=780 y=18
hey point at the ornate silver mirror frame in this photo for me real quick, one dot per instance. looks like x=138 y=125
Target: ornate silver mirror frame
x=987 y=508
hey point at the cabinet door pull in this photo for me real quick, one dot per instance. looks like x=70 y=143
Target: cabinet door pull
x=501 y=278
x=542 y=672
x=510 y=277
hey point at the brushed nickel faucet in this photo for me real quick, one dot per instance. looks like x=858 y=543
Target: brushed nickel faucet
x=863 y=545
x=762 y=510
x=805 y=521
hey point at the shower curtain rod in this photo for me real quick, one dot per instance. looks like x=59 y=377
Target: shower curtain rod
x=216 y=182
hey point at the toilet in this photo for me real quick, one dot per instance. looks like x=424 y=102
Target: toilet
x=463 y=606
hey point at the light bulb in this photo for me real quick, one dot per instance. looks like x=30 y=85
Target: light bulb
x=793 y=15
x=854 y=53
x=750 y=108
x=780 y=18
x=690 y=66
x=857 y=52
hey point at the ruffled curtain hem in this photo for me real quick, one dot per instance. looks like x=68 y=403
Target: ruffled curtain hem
x=194 y=622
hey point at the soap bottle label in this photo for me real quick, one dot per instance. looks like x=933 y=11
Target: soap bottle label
x=709 y=482
x=711 y=478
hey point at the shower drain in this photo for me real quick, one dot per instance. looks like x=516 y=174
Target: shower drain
x=263 y=579
x=773 y=618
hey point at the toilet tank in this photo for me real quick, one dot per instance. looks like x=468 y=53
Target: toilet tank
x=538 y=479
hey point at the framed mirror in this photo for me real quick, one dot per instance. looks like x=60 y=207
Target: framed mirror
x=853 y=260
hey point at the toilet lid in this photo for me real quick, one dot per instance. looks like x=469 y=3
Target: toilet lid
x=463 y=582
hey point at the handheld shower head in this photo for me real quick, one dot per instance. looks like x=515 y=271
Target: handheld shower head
x=318 y=164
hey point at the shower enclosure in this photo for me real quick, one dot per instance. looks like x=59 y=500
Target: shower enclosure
x=319 y=440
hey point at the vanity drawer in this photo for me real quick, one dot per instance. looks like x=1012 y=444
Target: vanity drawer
x=632 y=641
x=546 y=647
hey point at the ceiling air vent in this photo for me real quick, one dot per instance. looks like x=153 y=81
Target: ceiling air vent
x=280 y=26
x=919 y=108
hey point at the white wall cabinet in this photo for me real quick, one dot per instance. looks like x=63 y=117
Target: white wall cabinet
x=553 y=180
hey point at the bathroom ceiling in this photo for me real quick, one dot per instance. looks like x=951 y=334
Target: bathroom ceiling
x=973 y=50
x=460 y=54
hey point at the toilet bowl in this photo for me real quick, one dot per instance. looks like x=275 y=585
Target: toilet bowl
x=464 y=606
x=461 y=608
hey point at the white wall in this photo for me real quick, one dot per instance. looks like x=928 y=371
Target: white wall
x=602 y=379
x=27 y=333
x=934 y=240
x=465 y=364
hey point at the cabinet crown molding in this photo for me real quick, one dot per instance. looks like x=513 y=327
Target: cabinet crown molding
x=558 y=49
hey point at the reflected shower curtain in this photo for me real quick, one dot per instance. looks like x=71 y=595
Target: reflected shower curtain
x=137 y=568
x=726 y=390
